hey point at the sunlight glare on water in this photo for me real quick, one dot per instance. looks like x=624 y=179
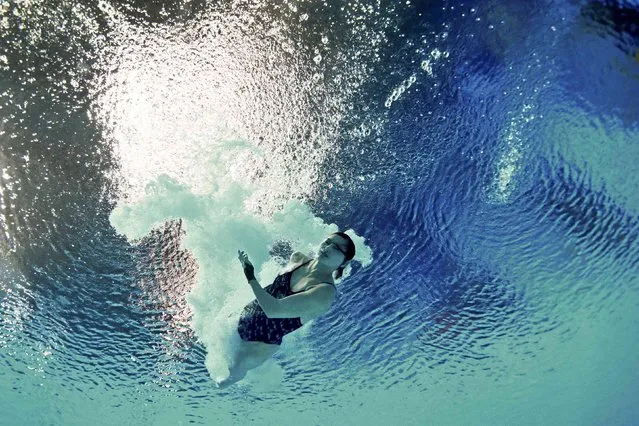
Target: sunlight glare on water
x=185 y=109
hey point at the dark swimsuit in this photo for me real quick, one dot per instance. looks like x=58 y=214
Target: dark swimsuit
x=255 y=326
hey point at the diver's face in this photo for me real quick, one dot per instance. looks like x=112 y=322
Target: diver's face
x=332 y=251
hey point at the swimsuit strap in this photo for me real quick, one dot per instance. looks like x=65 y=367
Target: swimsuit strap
x=298 y=266
x=323 y=282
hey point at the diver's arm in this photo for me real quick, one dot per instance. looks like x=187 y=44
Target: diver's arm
x=315 y=301
x=267 y=302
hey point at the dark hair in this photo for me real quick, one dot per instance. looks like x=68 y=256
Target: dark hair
x=350 y=250
x=350 y=253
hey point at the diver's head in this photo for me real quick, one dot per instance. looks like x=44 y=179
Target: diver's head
x=336 y=251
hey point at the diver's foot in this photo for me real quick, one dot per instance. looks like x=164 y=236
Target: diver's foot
x=225 y=383
x=234 y=377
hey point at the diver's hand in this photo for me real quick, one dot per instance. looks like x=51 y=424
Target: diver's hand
x=249 y=271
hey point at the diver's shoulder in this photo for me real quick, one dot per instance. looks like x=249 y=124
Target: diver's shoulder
x=298 y=256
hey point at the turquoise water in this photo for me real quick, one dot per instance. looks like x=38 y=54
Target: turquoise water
x=482 y=155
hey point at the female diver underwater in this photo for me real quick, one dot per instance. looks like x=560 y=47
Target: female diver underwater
x=302 y=292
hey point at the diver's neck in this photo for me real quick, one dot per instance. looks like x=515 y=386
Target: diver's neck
x=320 y=269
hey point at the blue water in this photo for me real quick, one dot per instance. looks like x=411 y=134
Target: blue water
x=482 y=154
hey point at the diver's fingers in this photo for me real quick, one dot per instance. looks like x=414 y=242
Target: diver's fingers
x=243 y=257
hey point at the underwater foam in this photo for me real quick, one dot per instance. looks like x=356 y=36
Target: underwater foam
x=217 y=225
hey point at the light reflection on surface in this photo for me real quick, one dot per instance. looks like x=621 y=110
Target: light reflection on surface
x=175 y=97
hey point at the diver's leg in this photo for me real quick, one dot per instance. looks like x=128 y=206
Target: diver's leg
x=237 y=373
x=250 y=355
